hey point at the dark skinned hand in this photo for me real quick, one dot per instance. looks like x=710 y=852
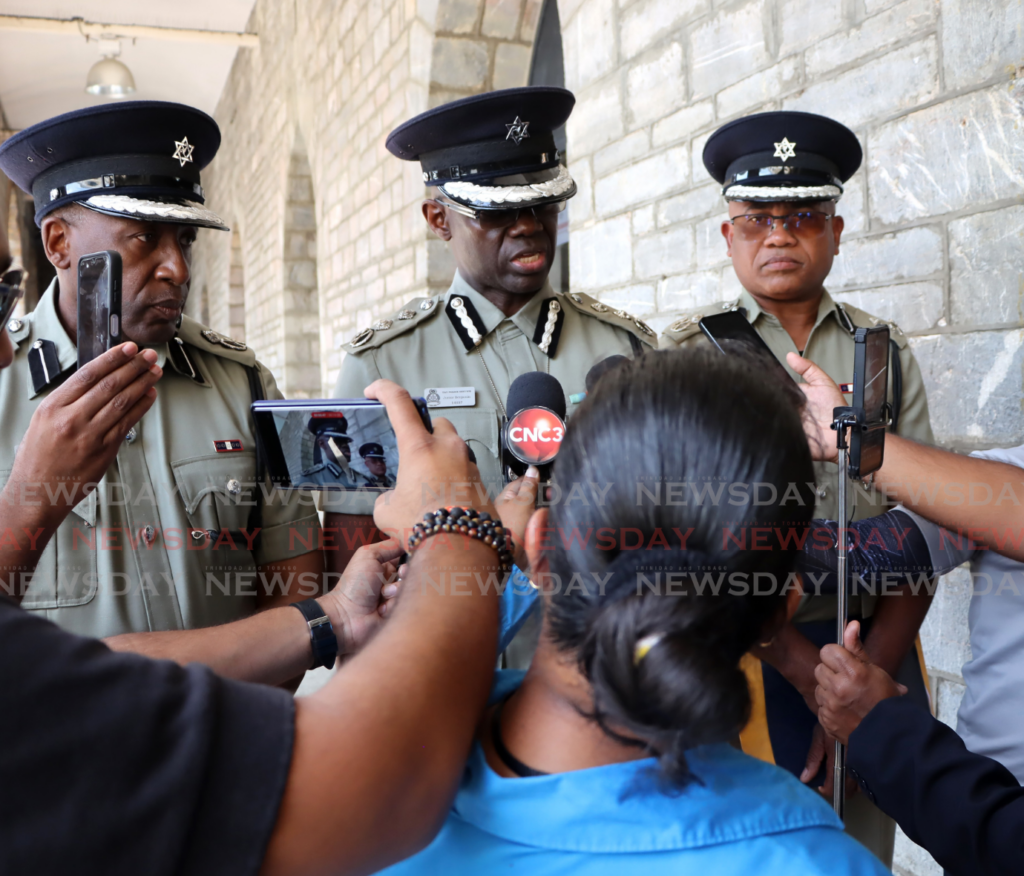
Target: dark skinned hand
x=849 y=686
x=76 y=432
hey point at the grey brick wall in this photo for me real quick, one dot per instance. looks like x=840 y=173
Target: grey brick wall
x=934 y=218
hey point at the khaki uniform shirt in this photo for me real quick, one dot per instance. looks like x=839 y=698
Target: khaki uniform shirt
x=830 y=346
x=136 y=554
x=421 y=349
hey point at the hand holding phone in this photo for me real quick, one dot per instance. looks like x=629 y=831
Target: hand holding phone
x=99 y=304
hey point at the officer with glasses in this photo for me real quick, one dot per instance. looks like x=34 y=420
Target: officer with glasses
x=782 y=174
x=496 y=184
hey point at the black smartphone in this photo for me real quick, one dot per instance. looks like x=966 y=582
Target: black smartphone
x=729 y=329
x=330 y=444
x=870 y=394
x=99 y=304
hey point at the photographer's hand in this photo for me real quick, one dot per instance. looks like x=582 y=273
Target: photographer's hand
x=358 y=605
x=823 y=396
x=72 y=439
x=434 y=469
x=516 y=504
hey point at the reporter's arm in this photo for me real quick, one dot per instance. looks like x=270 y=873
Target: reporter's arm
x=935 y=483
x=273 y=646
x=379 y=750
x=381 y=747
x=965 y=809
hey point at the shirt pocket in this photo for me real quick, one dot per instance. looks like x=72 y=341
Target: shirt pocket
x=66 y=574
x=219 y=493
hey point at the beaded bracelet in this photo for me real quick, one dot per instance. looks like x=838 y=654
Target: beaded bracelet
x=464 y=521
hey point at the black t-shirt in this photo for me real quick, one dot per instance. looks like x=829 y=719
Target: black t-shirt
x=113 y=763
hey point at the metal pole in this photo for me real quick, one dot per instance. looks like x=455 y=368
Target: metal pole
x=842 y=611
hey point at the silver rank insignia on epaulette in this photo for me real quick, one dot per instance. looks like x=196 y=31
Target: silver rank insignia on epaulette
x=361 y=339
x=685 y=322
x=549 y=327
x=223 y=341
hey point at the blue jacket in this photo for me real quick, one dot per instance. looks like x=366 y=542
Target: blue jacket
x=742 y=816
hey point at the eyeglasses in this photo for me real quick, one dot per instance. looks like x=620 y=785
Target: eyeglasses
x=10 y=293
x=492 y=220
x=757 y=226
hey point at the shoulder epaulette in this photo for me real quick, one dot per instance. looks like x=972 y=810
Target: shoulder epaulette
x=206 y=340
x=590 y=306
x=412 y=314
x=687 y=324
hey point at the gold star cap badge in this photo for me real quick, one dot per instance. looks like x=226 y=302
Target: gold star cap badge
x=183 y=151
x=784 y=150
x=517 y=131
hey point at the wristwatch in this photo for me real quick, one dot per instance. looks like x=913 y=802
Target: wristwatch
x=321 y=633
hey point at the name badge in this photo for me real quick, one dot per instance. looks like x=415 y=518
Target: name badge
x=450 y=396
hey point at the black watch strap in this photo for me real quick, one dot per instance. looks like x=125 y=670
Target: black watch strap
x=321 y=633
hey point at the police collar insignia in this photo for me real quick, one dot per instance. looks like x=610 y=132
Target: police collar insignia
x=466 y=321
x=517 y=131
x=549 y=327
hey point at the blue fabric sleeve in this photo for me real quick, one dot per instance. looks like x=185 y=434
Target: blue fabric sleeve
x=519 y=598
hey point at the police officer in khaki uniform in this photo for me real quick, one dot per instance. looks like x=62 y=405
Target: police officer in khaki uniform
x=782 y=174
x=178 y=534
x=499 y=187
x=376 y=464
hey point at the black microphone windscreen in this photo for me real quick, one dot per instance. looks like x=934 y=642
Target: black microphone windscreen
x=535 y=389
x=601 y=369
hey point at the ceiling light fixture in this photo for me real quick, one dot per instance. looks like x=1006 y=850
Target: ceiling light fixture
x=109 y=77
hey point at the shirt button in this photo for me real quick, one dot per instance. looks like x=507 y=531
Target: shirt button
x=131 y=436
x=148 y=534
x=234 y=487
x=822 y=491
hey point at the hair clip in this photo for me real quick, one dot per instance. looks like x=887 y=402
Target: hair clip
x=644 y=646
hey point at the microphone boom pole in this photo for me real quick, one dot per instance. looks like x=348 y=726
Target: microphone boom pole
x=843 y=419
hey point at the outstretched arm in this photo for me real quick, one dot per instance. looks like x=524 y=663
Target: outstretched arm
x=273 y=646
x=967 y=810
x=385 y=741
x=979 y=498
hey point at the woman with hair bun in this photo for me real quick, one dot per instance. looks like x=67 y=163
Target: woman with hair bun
x=681 y=492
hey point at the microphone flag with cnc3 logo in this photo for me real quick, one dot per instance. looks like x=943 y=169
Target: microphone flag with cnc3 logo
x=533 y=433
